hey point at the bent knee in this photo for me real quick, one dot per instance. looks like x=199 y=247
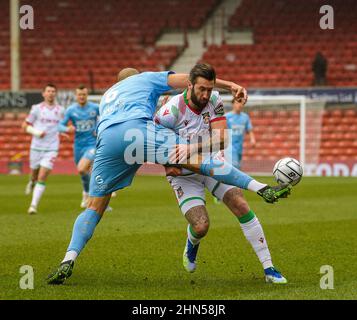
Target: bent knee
x=240 y=209
x=201 y=229
x=98 y=204
x=236 y=202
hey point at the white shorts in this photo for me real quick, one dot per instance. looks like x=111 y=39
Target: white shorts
x=190 y=190
x=44 y=159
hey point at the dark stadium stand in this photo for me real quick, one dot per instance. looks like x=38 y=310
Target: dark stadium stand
x=73 y=38
x=287 y=37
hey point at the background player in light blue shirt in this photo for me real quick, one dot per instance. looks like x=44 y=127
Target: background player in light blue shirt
x=84 y=116
x=240 y=124
x=126 y=119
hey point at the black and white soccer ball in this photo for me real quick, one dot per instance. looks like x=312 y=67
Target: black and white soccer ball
x=288 y=170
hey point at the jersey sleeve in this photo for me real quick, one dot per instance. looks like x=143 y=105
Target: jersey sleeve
x=33 y=115
x=62 y=126
x=158 y=81
x=248 y=126
x=217 y=107
x=167 y=116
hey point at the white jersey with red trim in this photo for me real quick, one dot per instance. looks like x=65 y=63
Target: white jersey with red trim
x=44 y=117
x=177 y=115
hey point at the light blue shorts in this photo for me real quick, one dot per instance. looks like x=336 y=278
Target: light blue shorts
x=87 y=152
x=122 y=148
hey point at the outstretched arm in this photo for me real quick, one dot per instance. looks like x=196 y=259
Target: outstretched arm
x=180 y=81
x=62 y=126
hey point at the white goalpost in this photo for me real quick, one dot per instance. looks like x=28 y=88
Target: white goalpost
x=269 y=100
x=293 y=123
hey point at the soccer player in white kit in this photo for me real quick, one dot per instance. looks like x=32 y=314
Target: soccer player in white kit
x=196 y=113
x=42 y=124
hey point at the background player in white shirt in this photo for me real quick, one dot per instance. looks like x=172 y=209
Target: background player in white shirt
x=194 y=113
x=42 y=124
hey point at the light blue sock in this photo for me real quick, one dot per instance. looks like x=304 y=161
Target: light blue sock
x=85 y=182
x=224 y=172
x=83 y=230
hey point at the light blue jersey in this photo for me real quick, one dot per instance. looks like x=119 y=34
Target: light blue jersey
x=129 y=104
x=239 y=124
x=84 y=119
x=133 y=98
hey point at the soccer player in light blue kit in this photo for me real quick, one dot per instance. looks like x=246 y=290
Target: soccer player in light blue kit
x=84 y=115
x=240 y=124
x=126 y=118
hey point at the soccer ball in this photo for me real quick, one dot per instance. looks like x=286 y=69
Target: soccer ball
x=288 y=170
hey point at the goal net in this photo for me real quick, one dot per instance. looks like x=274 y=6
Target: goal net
x=284 y=126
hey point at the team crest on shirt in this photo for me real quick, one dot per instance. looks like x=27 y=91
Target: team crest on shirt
x=93 y=114
x=219 y=110
x=179 y=192
x=186 y=122
x=206 y=117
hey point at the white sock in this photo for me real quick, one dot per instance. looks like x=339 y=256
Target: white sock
x=253 y=232
x=37 y=194
x=191 y=237
x=70 y=255
x=255 y=186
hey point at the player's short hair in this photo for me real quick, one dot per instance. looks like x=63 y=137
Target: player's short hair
x=127 y=72
x=203 y=70
x=81 y=87
x=51 y=85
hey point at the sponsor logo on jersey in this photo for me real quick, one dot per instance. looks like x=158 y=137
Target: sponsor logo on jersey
x=219 y=110
x=206 y=117
x=47 y=120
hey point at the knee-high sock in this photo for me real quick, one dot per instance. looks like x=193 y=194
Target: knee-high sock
x=192 y=236
x=37 y=193
x=85 y=182
x=254 y=233
x=83 y=230
x=224 y=172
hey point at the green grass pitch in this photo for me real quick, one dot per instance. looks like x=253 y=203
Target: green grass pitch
x=136 y=251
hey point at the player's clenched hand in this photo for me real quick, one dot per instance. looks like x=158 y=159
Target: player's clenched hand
x=239 y=93
x=71 y=129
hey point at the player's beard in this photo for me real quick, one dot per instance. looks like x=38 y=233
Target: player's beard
x=196 y=101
